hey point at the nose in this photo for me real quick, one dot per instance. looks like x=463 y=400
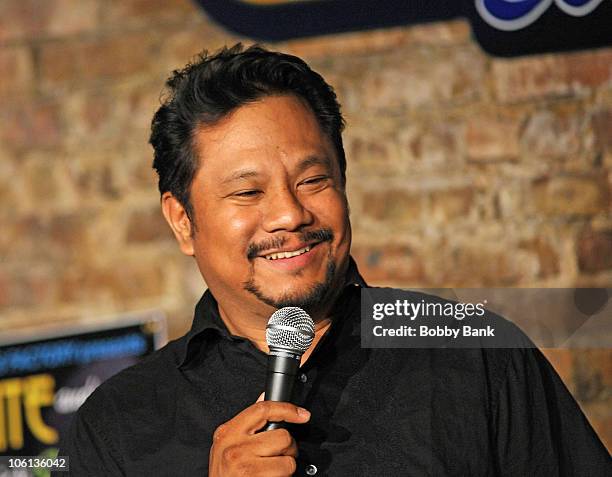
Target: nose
x=285 y=212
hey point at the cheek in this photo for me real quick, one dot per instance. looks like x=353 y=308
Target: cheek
x=332 y=212
x=237 y=225
x=230 y=231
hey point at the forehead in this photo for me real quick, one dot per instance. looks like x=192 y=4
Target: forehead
x=266 y=131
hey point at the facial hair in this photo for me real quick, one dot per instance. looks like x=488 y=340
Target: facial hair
x=309 y=299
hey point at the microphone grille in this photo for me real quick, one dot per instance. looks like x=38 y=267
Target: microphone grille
x=290 y=328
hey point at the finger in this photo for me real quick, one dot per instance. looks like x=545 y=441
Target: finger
x=273 y=443
x=280 y=466
x=261 y=397
x=255 y=416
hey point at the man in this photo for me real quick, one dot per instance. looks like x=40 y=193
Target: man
x=251 y=168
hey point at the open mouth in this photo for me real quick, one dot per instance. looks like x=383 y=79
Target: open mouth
x=289 y=254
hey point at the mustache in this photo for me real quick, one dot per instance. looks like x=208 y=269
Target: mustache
x=320 y=235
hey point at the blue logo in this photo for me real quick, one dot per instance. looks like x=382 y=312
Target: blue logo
x=501 y=27
x=511 y=15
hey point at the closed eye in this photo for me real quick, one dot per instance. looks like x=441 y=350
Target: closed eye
x=314 y=180
x=247 y=193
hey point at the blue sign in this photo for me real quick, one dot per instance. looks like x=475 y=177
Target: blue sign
x=45 y=379
x=509 y=15
x=502 y=27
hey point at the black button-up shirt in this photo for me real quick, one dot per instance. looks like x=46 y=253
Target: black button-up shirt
x=381 y=412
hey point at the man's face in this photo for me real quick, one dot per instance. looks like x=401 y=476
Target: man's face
x=270 y=212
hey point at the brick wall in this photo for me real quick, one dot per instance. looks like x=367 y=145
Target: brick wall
x=464 y=170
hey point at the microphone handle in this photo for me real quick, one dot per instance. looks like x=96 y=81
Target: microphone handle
x=283 y=366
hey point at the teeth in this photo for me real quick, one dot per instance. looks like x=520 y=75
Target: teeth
x=276 y=256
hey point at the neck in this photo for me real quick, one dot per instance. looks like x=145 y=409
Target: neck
x=251 y=322
x=253 y=326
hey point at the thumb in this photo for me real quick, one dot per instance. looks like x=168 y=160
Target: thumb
x=261 y=397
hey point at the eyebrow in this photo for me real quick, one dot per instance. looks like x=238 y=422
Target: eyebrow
x=240 y=175
x=314 y=161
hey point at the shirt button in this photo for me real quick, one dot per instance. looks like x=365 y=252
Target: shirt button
x=311 y=470
x=304 y=379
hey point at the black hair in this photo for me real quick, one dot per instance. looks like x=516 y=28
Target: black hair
x=211 y=87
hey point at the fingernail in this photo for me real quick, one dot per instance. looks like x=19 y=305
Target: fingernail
x=303 y=412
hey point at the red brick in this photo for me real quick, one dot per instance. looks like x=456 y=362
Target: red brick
x=589 y=68
x=553 y=134
x=97 y=114
x=430 y=146
x=28 y=288
x=96 y=179
x=119 y=283
x=548 y=258
x=20 y=19
x=395 y=207
x=131 y=173
x=594 y=250
x=71 y=17
x=602 y=127
x=69 y=231
x=147 y=226
x=544 y=76
x=508 y=200
x=17 y=70
x=103 y=120
x=23 y=18
x=33 y=124
x=140 y=281
x=529 y=78
x=570 y=195
x=42 y=184
x=452 y=204
x=478 y=264
x=25 y=238
x=418 y=79
x=11 y=194
x=5 y=298
x=48 y=239
x=148 y=12
x=396 y=264
x=376 y=155
x=93 y=60
x=492 y=138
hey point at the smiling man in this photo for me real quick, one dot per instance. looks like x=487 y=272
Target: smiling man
x=270 y=221
x=251 y=168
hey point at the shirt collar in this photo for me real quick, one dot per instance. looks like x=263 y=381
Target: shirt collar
x=207 y=318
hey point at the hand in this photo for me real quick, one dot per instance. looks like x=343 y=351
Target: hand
x=239 y=450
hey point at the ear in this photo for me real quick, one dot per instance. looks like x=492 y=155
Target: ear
x=179 y=222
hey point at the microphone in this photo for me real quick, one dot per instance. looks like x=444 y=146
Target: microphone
x=289 y=334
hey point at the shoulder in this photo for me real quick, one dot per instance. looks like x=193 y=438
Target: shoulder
x=134 y=387
x=105 y=421
x=100 y=429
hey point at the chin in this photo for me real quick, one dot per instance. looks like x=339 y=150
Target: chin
x=308 y=297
